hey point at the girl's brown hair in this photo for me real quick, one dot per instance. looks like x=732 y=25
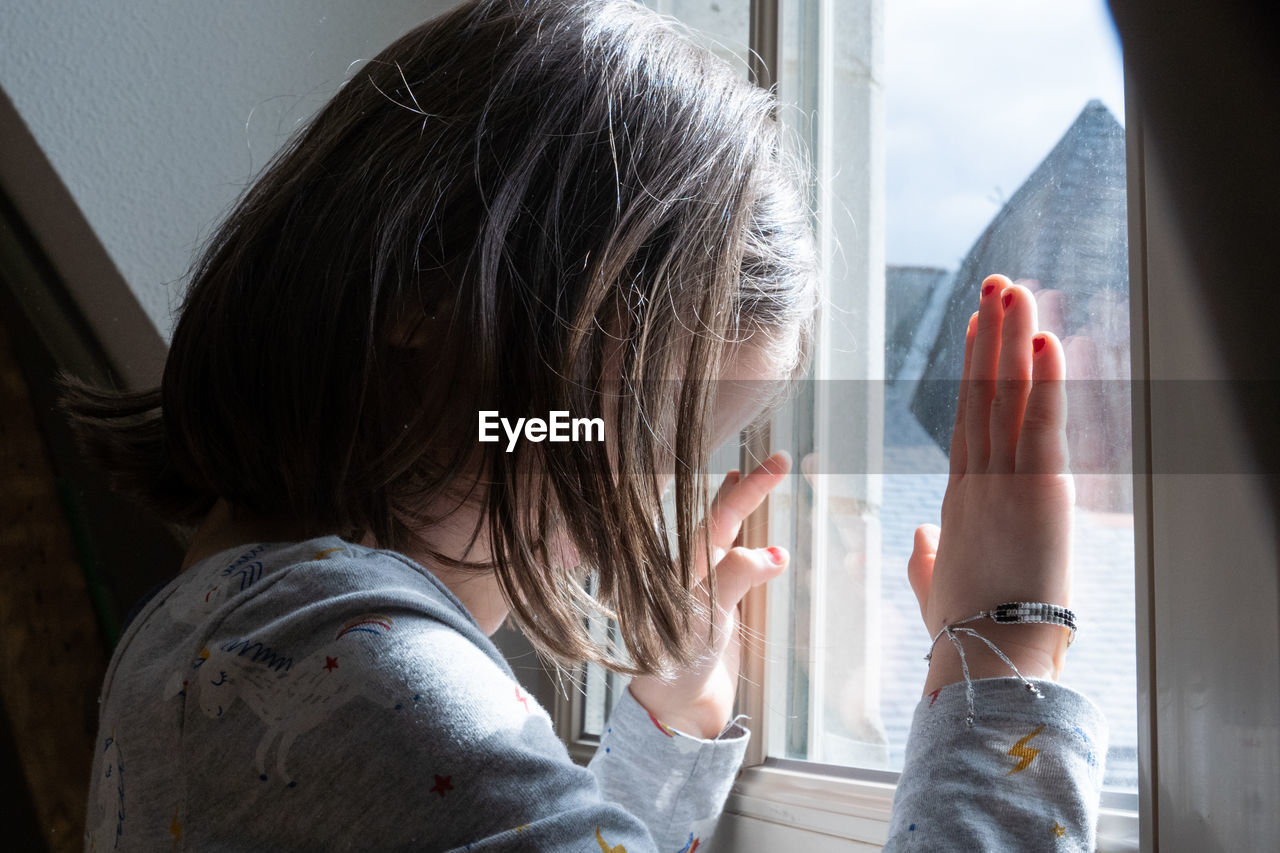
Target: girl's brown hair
x=524 y=206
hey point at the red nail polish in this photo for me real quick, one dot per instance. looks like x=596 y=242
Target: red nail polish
x=1037 y=343
x=987 y=288
x=1007 y=299
x=775 y=554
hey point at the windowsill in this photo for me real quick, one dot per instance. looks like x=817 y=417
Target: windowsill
x=857 y=809
x=849 y=808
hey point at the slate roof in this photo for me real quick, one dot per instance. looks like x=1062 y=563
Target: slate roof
x=1065 y=228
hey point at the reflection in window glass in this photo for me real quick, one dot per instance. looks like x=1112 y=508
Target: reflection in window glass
x=1000 y=128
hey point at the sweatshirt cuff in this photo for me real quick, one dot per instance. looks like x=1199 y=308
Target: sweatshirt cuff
x=1026 y=775
x=631 y=717
x=1006 y=701
x=676 y=783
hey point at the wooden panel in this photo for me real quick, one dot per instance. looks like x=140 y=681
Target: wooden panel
x=51 y=655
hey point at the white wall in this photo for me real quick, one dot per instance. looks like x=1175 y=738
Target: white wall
x=154 y=114
x=1213 y=563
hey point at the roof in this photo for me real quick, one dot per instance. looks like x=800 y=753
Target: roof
x=1064 y=229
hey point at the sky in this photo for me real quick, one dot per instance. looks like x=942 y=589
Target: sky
x=976 y=94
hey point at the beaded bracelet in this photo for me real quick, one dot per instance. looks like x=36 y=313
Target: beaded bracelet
x=1010 y=613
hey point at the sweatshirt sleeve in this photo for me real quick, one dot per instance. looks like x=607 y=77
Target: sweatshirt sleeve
x=402 y=734
x=1026 y=776
x=676 y=784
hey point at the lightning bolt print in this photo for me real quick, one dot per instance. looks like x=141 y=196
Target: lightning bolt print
x=1024 y=753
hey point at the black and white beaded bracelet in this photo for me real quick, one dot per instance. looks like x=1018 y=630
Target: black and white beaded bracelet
x=1025 y=612
x=1009 y=613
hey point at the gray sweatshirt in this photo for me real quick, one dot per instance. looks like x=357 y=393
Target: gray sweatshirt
x=324 y=695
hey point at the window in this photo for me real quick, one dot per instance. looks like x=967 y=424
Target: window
x=949 y=141
x=983 y=171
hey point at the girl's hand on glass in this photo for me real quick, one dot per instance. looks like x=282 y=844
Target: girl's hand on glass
x=1007 y=513
x=699 y=700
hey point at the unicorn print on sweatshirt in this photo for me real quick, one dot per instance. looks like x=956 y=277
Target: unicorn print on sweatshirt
x=290 y=696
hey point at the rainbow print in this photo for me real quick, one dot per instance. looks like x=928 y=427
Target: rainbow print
x=372 y=623
x=666 y=730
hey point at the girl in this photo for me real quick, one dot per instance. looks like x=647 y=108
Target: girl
x=520 y=208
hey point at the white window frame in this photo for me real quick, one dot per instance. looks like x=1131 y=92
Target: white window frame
x=799 y=805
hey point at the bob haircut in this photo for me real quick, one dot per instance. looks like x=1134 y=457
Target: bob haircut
x=524 y=206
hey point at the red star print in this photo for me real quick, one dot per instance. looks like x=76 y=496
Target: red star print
x=443 y=784
x=523 y=700
x=330 y=664
x=934 y=696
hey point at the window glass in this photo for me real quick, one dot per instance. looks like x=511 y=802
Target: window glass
x=951 y=141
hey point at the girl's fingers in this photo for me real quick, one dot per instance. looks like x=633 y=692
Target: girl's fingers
x=982 y=373
x=1042 y=441
x=920 y=566
x=742 y=568
x=1013 y=377
x=732 y=505
x=957 y=430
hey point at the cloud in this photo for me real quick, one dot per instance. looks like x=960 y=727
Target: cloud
x=976 y=94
